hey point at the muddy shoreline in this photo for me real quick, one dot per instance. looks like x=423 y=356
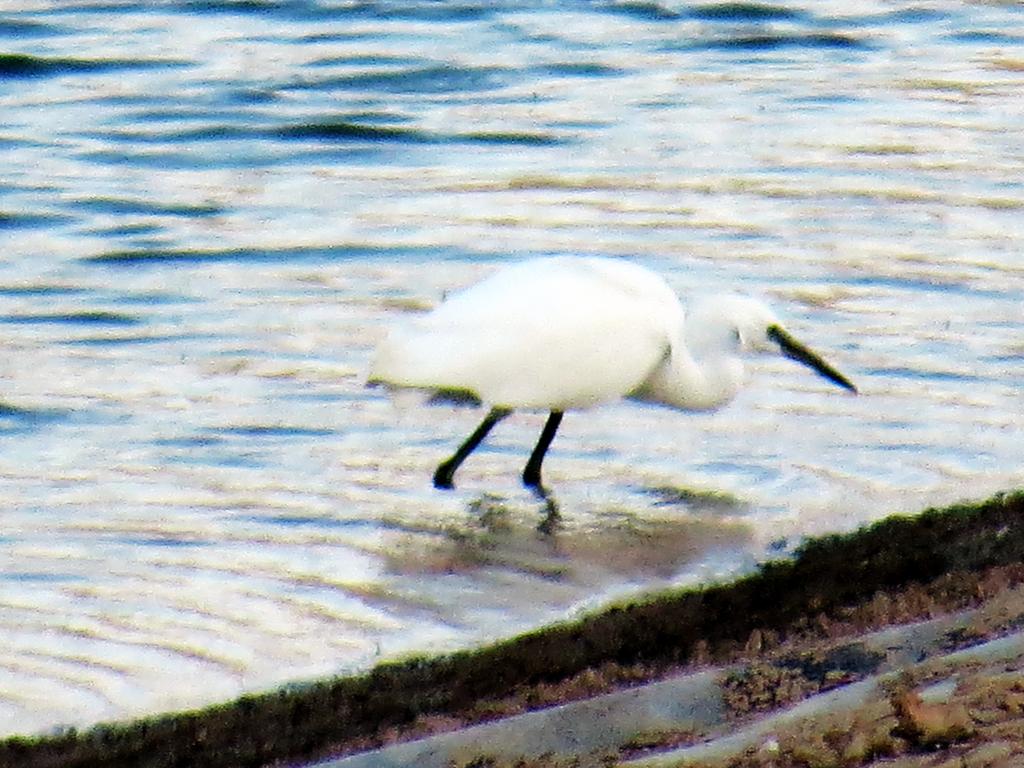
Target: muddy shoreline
x=901 y=569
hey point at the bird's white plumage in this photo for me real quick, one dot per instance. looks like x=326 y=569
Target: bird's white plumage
x=555 y=333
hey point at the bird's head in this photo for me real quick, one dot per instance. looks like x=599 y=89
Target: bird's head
x=734 y=325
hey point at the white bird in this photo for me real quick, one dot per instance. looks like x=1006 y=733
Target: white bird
x=567 y=333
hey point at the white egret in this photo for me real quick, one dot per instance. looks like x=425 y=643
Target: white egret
x=567 y=333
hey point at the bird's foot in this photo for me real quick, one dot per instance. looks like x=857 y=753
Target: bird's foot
x=547 y=526
x=539 y=492
x=531 y=480
x=444 y=478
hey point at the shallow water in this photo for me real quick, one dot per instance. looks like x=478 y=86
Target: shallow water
x=211 y=211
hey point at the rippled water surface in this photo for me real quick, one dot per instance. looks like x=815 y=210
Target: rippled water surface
x=211 y=211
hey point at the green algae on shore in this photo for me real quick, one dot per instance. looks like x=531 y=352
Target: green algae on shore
x=931 y=561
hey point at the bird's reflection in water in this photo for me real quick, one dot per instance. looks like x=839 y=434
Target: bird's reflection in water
x=581 y=546
x=552 y=517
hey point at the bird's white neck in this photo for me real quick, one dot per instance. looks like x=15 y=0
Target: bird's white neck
x=693 y=385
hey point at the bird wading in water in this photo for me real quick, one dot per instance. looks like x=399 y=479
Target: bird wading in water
x=569 y=333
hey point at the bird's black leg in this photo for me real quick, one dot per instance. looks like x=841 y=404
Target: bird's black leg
x=531 y=475
x=445 y=472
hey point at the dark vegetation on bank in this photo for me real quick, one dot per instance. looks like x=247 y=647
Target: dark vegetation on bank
x=937 y=555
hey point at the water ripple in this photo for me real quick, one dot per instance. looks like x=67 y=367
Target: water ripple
x=296 y=10
x=84 y=317
x=329 y=253
x=776 y=41
x=747 y=12
x=24 y=28
x=21 y=65
x=342 y=130
x=123 y=207
x=23 y=220
x=429 y=79
x=17 y=420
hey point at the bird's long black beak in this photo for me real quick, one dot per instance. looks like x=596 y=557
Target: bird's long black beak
x=793 y=349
